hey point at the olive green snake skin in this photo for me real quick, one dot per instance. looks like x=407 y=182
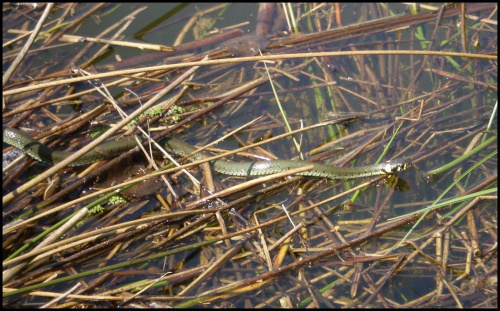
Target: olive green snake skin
x=42 y=153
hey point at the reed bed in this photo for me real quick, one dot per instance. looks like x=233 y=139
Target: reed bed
x=342 y=84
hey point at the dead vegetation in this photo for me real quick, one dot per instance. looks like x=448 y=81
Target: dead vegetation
x=360 y=84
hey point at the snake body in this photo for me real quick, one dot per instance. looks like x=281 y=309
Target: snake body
x=42 y=153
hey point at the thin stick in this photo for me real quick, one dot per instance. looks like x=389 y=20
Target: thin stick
x=28 y=44
x=137 y=45
x=248 y=59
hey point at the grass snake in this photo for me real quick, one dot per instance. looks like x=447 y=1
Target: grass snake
x=42 y=153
